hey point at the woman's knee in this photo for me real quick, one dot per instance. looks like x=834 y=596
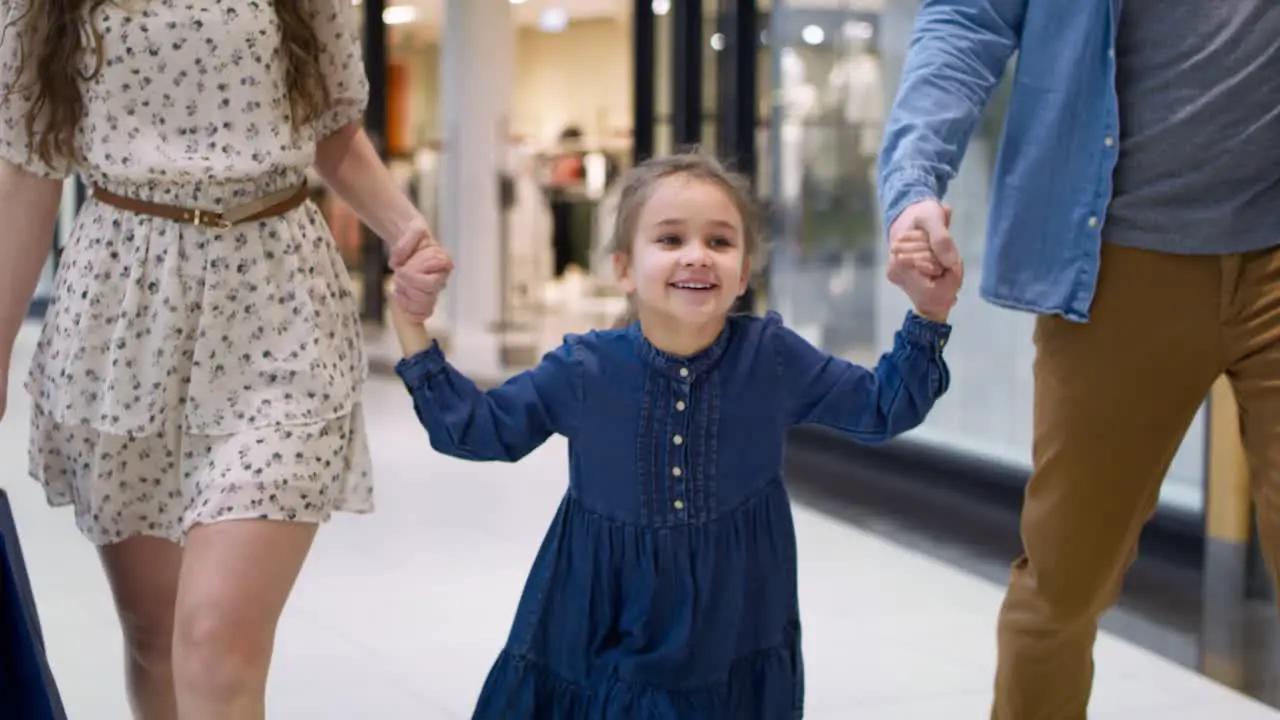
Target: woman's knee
x=217 y=654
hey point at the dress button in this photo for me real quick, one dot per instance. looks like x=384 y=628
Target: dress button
x=1108 y=141
x=677 y=440
x=679 y=504
x=677 y=471
x=680 y=405
x=1093 y=222
x=684 y=372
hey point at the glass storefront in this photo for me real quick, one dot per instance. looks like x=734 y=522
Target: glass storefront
x=835 y=70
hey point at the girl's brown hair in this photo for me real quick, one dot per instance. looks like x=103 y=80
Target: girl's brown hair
x=52 y=41
x=643 y=179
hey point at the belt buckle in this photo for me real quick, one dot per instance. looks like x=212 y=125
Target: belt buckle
x=215 y=221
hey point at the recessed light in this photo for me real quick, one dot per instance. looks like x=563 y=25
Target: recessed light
x=553 y=20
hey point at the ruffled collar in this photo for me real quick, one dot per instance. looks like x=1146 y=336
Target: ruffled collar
x=683 y=368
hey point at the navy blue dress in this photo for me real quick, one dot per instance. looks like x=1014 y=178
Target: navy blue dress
x=666 y=584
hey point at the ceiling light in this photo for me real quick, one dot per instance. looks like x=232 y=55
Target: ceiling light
x=717 y=42
x=661 y=7
x=553 y=20
x=813 y=35
x=399 y=14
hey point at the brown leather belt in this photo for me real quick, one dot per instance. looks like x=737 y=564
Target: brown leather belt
x=277 y=203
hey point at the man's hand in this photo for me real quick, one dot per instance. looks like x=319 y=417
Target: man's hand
x=421 y=270
x=923 y=260
x=922 y=236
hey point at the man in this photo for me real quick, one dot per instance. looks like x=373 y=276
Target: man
x=1136 y=210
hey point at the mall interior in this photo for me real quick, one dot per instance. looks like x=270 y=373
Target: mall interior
x=508 y=122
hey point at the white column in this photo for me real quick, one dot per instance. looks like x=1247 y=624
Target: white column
x=476 y=76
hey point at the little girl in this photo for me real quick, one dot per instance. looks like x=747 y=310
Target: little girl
x=666 y=585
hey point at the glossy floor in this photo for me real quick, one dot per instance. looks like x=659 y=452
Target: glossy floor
x=398 y=614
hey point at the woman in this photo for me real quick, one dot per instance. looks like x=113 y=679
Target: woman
x=197 y=382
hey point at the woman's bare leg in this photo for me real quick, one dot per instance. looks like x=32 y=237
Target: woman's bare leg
x=236 y=577
x=143 y=573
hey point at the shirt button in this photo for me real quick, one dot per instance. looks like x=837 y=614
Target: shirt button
x=684 y=372
x=1093 y=221
x=679 y=504
x=680 y=405
x=677 y=471
x=677 y=440
x=1109 y=141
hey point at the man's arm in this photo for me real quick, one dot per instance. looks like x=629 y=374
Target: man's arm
x=958 y=52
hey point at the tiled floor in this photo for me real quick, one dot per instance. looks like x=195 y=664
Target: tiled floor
x=398 y=614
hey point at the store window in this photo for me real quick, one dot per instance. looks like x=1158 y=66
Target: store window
x=835 y=68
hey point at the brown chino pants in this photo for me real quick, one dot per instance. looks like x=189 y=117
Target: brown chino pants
x=1113 y=400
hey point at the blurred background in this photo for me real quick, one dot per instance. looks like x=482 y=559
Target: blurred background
x=509 y=122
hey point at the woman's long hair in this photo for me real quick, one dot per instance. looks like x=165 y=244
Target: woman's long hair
x=53 y=36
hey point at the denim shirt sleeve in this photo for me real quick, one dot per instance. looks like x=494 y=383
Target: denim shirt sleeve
x=505 y=423
x=871 y=406
x=957 y=55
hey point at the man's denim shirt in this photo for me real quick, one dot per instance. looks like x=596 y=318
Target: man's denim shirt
x=1052 y=181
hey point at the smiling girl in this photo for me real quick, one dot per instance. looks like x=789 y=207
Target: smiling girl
x=666 y=585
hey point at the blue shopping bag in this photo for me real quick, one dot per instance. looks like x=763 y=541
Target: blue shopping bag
x=27 y=687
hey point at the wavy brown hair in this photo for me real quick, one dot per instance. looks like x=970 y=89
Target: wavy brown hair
x=52 y=42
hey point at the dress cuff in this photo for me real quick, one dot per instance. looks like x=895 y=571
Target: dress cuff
x=416 y=369
x=926 y=333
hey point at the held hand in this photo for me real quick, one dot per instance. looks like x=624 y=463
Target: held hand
x=932 y=295
x=421 y=270
x=418 y=237
x=923 y=259
x=921 y=236
x=419 y=282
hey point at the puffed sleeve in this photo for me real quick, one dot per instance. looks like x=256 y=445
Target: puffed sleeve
x=342 y=62
x=17 y=94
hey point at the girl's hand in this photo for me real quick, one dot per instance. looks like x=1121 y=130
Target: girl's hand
x=419 y=282
x=911 y=251
x=932 y=295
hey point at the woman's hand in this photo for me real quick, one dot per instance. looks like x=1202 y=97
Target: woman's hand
x=421 y=270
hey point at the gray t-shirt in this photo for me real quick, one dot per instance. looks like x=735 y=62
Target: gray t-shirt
x=1199 y=87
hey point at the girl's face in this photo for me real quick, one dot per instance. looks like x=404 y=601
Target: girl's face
x=687 y=263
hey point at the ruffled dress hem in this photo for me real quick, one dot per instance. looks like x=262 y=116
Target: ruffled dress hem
x=765 y=685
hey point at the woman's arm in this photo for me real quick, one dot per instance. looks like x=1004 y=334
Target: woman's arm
x=350 y=165
x=29 y=207
x=872 y=406
x=505 y=423
x=345 y=157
